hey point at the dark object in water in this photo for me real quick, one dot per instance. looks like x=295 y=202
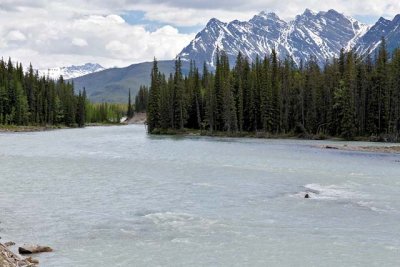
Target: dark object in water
x=307 y=196
x=31 y=249
x=331 y=147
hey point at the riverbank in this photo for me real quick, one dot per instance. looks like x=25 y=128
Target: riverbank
x=265 y=135
x=394 y=149
x=27 y=129
x=97 y=124
x=9 y=259
x=376 y=149
x=17 y=129
x=138 y=118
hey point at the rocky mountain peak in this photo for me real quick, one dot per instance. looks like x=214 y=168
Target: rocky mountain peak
x=321 y=35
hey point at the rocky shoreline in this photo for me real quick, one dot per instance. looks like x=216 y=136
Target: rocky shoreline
x=9 y=259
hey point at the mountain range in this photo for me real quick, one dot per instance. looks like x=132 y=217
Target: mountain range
x=321 y=35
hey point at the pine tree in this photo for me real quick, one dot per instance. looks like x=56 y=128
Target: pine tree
x=276 y=97
x=153 y=110
x=141 y=99
x=344 y=108
x=395 y=93
x=129 y=113
x=382 y=87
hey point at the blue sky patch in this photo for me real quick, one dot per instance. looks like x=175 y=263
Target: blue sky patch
x=135 y=17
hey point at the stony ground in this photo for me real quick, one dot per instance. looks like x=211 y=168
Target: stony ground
x=139 y=118
x=9 y=259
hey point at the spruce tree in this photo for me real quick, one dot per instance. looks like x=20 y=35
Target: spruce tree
x=129 y=113
x=153 y=109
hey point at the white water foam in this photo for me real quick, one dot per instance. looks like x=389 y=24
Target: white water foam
x=179 y=220
x=330 y=192
x=343 y=193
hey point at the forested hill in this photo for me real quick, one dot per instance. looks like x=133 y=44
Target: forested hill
x=350 y=96
x=112 y=85
x=28 y=99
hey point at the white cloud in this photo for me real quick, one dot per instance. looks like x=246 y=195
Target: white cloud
x=195 y=12
x=57 y=33
x=79 y=42
x=59 y=38
x=15 y=36
x=117 y=48
x=116 y=19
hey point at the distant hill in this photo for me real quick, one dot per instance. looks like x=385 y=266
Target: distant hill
x=112 y=85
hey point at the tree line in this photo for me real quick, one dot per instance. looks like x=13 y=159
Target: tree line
x=26 y=98
x=349 y=96
x=141 y=99
x=105 y=113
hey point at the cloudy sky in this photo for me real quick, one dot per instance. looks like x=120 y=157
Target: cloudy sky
x=51 y=33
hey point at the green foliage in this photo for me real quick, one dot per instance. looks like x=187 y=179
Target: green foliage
x=154 y=107
x=130 y=112
x=351 y=96
x=141 y=99
x=27 y=99
x=345 y=111
x=105 y=112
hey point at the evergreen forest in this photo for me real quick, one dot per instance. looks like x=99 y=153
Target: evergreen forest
x=29 y=99
x=350 y=96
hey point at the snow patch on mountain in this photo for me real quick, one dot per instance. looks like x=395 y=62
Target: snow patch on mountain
x=71 y=71
x=388 y=29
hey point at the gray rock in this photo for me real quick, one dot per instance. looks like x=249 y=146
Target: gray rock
x=32 y=249
x=9 y=244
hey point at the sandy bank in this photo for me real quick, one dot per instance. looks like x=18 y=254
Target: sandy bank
x=138 y=118
x=374 y=149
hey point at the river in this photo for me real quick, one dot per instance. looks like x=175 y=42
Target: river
x=114 y=196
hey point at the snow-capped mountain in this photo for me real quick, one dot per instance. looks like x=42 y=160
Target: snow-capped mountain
x=71 y=71
x=321 y=34
x=389 y=29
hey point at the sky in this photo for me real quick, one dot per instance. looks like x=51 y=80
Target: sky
x=53 y=33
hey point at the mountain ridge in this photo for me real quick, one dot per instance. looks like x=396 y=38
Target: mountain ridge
x=320 y=34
